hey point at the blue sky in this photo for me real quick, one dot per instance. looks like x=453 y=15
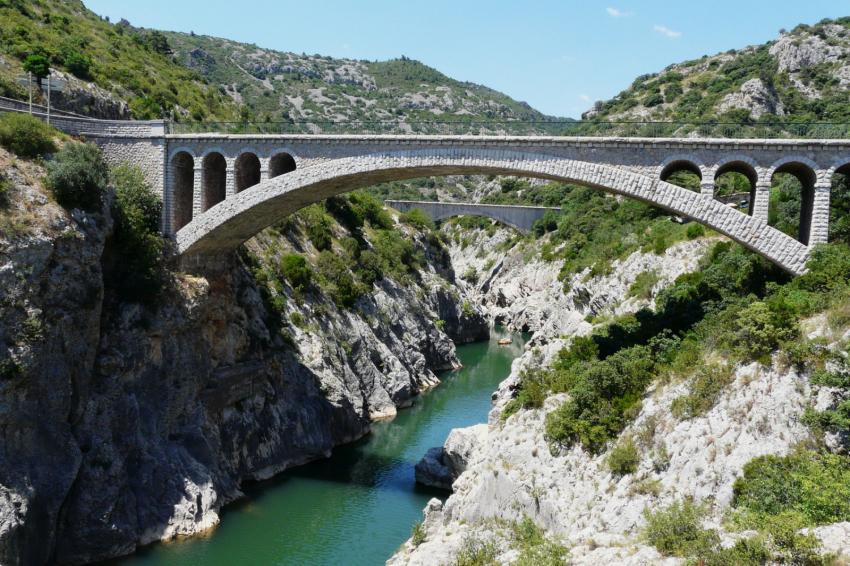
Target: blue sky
x=559 y=56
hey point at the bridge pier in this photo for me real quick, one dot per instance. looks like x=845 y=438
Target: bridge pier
x=707 y=188
x=198 y=191
x=230 y=178
x=760 y=201
x=819 y=224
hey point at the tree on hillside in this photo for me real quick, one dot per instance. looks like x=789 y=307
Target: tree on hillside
x=38 y=65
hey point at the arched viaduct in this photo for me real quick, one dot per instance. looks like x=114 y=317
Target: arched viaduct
x=520 y=217
x=219 y=190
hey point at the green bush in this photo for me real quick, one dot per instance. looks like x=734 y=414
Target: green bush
x=371 y=209
x=369 y=268
x=624 y=458
x=397 y=254
x=813 y=486
x=5 y=191
x=78 y=64
x=418 y=535
x=37 y=64
x=531 y=393
x=534 y=548
x=643 y=284
x=77 y=176
x=759 y=330
x=336 y=280
x=296 y=270
x=319 y=226
x=677 y=530
x=418 y=218
x=705 y=388
x=475 y=551
x=25 y=135
x=136 y=270
x=694 y=231
x=603 y=396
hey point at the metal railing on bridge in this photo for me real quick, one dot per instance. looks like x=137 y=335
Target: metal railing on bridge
x=567 y=128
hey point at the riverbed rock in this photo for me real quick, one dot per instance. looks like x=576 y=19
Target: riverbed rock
x=461 y=445
x=432 y=470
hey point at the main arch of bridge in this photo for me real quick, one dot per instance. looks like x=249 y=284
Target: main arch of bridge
x=238 y=218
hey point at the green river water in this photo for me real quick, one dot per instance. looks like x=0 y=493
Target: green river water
x=357 y=507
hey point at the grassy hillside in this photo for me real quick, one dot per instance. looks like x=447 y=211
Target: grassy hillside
x=131 y=65
x=803 y=76
x=277 y=86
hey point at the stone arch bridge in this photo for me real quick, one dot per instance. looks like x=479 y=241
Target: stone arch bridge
x=219 y=190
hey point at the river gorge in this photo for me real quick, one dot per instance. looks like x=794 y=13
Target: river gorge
x=358 y=506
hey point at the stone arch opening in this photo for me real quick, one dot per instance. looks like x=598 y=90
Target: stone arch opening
x=247 y=171
x=214 y=180
x=281 y=163
x=183 y=181
x=792 y=194
x=683 y=173
x=839 y=205
x=735 y=184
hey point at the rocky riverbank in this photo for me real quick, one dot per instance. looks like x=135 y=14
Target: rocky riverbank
x=123 y=425
x=505 y=471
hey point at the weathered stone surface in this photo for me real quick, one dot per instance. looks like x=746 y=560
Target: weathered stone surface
x=461 y=445
x=754 y=96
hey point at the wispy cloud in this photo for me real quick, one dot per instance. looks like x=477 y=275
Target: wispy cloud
x=617 y=13
x=667 y=32
x=584 y=98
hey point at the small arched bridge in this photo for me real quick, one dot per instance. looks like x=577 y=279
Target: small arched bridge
x=520 y=217
x=219 y=190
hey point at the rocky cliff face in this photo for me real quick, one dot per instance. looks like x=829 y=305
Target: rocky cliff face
x=122 y=425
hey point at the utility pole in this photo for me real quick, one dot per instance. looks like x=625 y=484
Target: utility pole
x=29 y=88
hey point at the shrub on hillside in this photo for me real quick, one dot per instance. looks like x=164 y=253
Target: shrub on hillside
x=296 y=270
x=602 y=396
x=369 y=268
x=319 y=226
x=371 y=209
x=694 y=231
x=624 y=458
x=25 y=135
x=77 y=176
x=759 y=330
x=418 y=218
x=397 y=254
x=336 y=279
x=78 y=64
x=815 y=487
x=5 y=191
x=137 y=272
x=677 y=530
